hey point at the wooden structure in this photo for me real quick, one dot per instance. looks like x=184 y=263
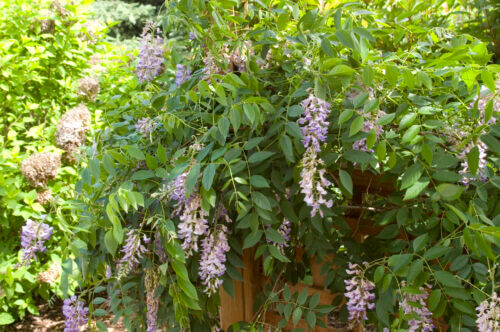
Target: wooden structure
x=241 y=307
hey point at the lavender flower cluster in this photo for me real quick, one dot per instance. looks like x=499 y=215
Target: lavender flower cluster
x=145 y=126
x=314 y=124
x=284 y=229
x=75 y=314
x=414 y=304
x=488 y=315
x=182 y=75
x=213 y=258
x=33 y=236
x=133 y=251
x=481 y=174
x=150 y=63
x=359 y=295
x=193 y=224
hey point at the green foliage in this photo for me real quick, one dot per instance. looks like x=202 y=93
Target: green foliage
x=234 y=135
x=43 y=52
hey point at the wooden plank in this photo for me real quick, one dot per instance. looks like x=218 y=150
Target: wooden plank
x=273 y=319
x=232 y=310
x=251 y=282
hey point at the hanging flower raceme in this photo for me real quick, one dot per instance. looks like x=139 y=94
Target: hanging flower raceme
x=313 y=182
x=152 y=303
x=284 y=229
x=488 y=315
x=481 y=174
x=133 y=251
x=182 y=75
x=177 y=188
x=415 y=305
x=33 y=236
x=151 y=57
x=193 y=223
x=213 y=259
x=145 y=126
x=359 y=295
x=75 y=314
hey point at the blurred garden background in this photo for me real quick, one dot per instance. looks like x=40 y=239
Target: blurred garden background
x=322 y=165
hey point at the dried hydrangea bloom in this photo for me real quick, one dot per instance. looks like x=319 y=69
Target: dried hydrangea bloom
x=92 y=27
x=51 y=275
x=488 y=315
x=145 y=126
x=75 y=314
x=59 y=8
x=40 y=168
x=44 y=197
x=88 y=88
x=151 y=281
x=151 y=57
x=239 y=56
x=72 y=129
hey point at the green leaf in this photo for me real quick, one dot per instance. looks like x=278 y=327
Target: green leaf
x=235 y=118
x=416 y=189
x=223 y=125
x=192 y=179
x=434 y=299
x=274 y=236
x=311 y=319
x=447 y=279
x=134 y=152
x=297 y=314
x=411 y=176
x=261 y=200
x=345 y=115
x=415 y=268
x=327 y=48
x=407 y=120
x=286 y=147
x=473 y=160
x=449 y=192
x=143 y=175
x=356 y=125
x=314 y=300
x=386 y=119
x=346 y=181
x=488 y=80
x=436 y=252
x=259 y=181
x=345 y=38
x=110 y=243
x=208 y=176
x=252 y=239
x=259 y=156
x=427 y=153
x=420 y=242
x=341 y=70
x=6 y=318
x=410 y=134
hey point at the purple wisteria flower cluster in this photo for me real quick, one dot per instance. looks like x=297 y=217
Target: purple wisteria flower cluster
x=133 y=251
x=150 y=63
x=193 y=225
x=488 y=315
x=213 y=259
x=182 y=75
x=359 y=295
x=33 y=236
x=415 y=305
x=314 y=124
x=481 y=174
x=145 y=126
x=75 y=314
x=151 y=281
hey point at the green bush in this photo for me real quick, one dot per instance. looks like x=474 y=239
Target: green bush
x=44 y=50
x=216 y=141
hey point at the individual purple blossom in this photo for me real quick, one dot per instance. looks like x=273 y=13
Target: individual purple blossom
x=415 y=305
x=314 y=122
x=481 y=174
x=488 y=315
x=133 y=251
x=313 y=183
x=33 y=236
x=193 y=223
x=213 y=258
x=108 y=272
x=151 y=57
x=182 y=75
x=192 y=36
x=359 y=295
x=75 y=314
x=145 y=126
